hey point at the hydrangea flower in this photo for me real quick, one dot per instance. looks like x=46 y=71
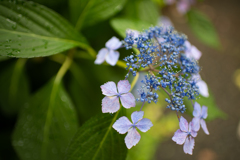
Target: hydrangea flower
x=191 y=51
x=202 y=85
x=123 y=125
x=199 y=115
x=110 y=103
x=185 y=135
x=184 y=5
x=109 y=53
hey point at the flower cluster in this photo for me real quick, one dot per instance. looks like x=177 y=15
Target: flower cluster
x=171 y=65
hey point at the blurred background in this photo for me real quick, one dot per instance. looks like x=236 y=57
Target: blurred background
x=220 y=63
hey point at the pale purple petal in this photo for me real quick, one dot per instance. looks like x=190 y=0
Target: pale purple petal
x=197 y=110
x=127 y=100
x=204 y=113
x=101 y=56
x=132 y=138
x=196 y=54
x=179 y=137
x=183 y=6
x=188 y=45
x=191 y=131
x=136 y=116
x=122 y=125
x=109 y=89
x=204 y=126
x=123 y=86
x=113 y=43
x=132 y=32
x=183 y=124
x=196 y=77
x=203 y=89
x=110 y=104
x=144 y=125
x=188 y=145
x=112 y=57
x=164 y=20
x=196 y=124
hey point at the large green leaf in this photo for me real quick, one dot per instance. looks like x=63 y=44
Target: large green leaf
x=28 y=30
x=203 y=28
x=213 y=110
x=120 y=25
x=46 y=124
x=14 y=87
x=97 y=140
x=88 y=12
x=144 y=10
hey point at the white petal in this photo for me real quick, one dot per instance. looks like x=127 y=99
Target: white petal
x=204 y=126
x=196 y=54
x=197 y=110
x=101 y=56
x=110 y=104
x=188 y=145
x=183 y=124
x=109 y=89
x=179 y=137
x=203 y=88
x=122 y=125
x=132 y=138
x=128 y=100
x=113 y=43
x=137 y=116
x=123 y=86
x=144 y=125
x=112 y=57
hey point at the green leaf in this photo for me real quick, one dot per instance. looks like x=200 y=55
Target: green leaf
x=29 y=30
x=14 y=87
x=97 y=140
x=88 y=12
x=120 y=25
x=144 y=10
x=213 y=110
x=46 y=124
x=203 y=28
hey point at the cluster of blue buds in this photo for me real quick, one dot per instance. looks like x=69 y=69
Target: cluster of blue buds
x=171 y=66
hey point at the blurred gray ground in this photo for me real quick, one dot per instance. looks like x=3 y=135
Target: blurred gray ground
x=223 y=142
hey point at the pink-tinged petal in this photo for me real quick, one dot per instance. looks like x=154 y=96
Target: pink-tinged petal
x=179 y=137
x=113 y=43
x=112 y=57
x=204 y=126
x=183 y=6
x=109 y=89
x=196 y=124
x=187 y=45
x=144 y=125
x=101 y=56
x=127 y=100
x=203 y=88
x=196 y=54
x=197 y=110
x=188 y=145
x=132 y=138
x=137 y=116
x=123 y=86
x=183 y=124
x=110 y=104
x=204 y=113
x=122 y=125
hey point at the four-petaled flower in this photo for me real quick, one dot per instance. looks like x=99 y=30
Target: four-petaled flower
x=123 y=125
x=109 y=54
x=199 y=115
x=110 y=103
x=185 y=135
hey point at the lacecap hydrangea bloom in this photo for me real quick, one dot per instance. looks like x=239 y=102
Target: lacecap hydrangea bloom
x=170 y=64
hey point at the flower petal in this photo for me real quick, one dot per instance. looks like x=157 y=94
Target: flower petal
x=179 y=137
x=110 y=104
x=132 y=138
x=197 y=110
x=113 y=43
x=204 y=113
x=136 y=116
x=203 y=88
x=204 y=126
x=109 y=89
x=183 y=6
x=196 y=124
x=101 y=56
x=190 y=129
x=196 y=54
x=189 y=145
x=127 y=100
x=183 y=124
x=144 y=125
x=123 y=86
x=122 y=125
x=112 y=57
